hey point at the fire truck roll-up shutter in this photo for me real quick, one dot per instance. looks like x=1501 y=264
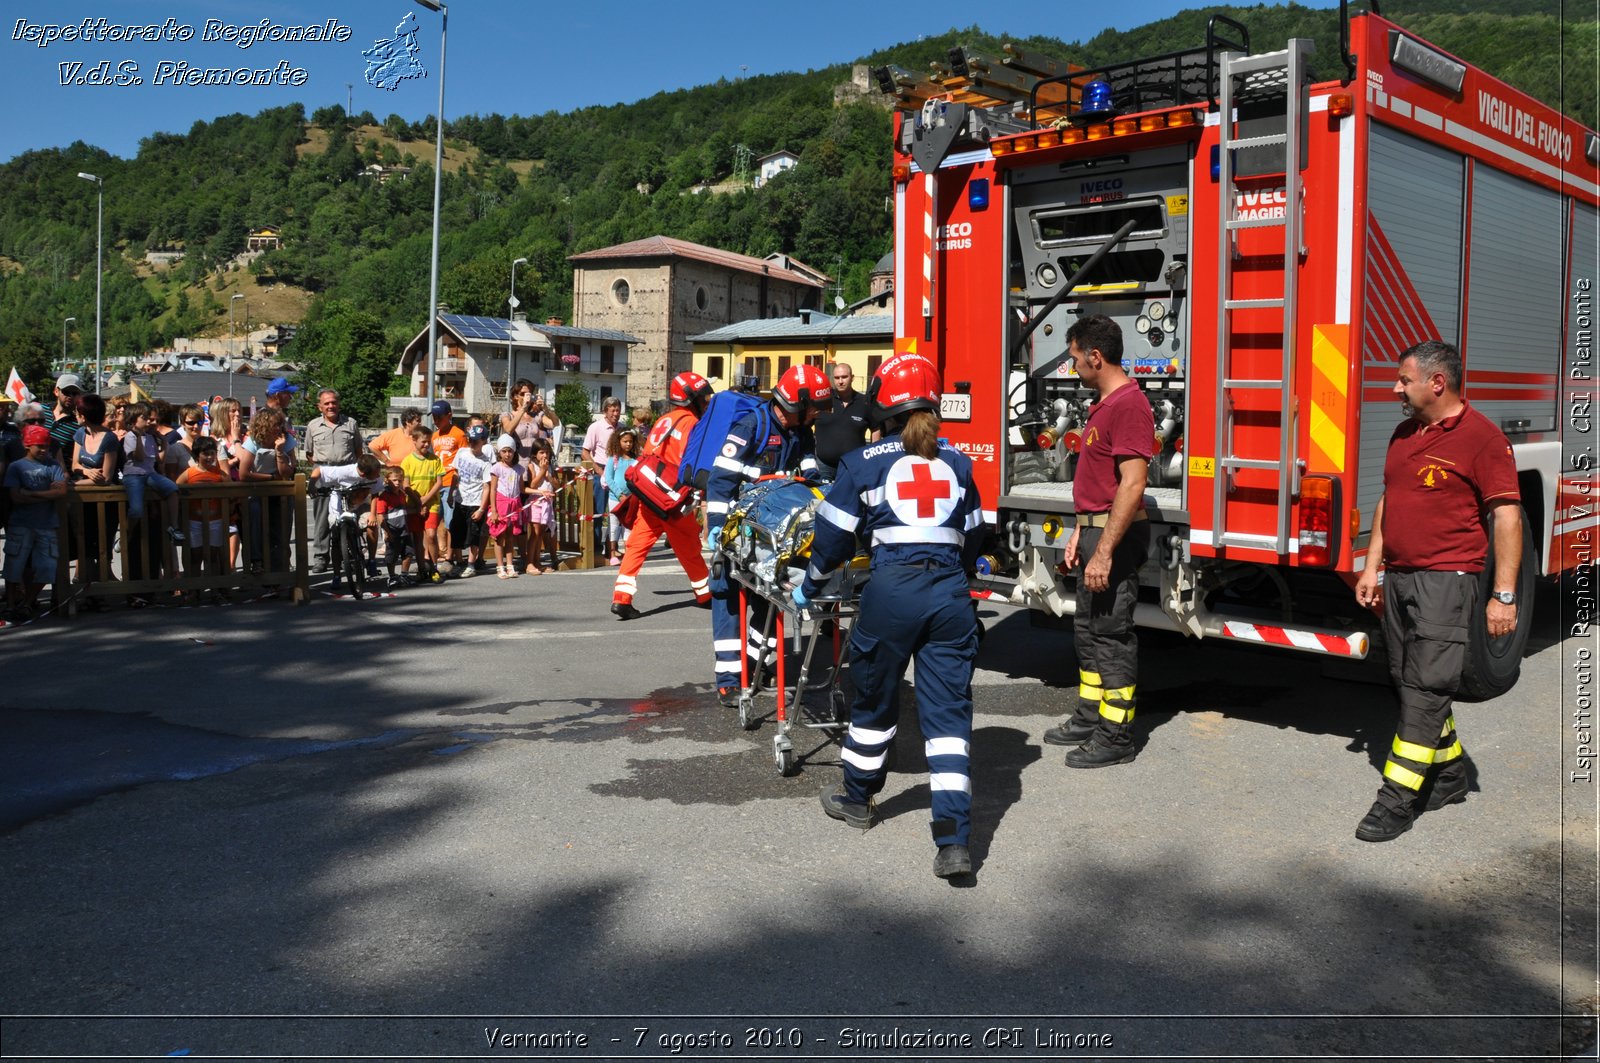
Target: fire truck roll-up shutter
x=1516 y=295
x=1415 y=199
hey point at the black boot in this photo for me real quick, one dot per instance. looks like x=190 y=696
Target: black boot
x=952 y=861
x=1069 y=732
x=838 y=806
x=625 y=611
x=1383 y=823
x=1095 y=754
x=1449 y=788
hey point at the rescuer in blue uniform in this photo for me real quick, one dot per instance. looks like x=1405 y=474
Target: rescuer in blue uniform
x=749 y=454
x=912 y=500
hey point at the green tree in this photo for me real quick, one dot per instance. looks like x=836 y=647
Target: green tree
x=343 y=348
x=27 y=349
x=572 y=405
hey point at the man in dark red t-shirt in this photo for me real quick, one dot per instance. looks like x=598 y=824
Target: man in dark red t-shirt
x=1447 y=469
x=1110 y=539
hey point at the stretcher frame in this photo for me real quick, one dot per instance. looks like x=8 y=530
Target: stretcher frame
x=839 y=604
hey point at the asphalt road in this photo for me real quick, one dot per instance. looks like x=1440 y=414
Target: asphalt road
x=409 y=826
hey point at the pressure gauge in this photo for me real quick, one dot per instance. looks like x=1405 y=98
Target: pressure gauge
x=1047 y=275
x=1156 y=311
x=1141 y=324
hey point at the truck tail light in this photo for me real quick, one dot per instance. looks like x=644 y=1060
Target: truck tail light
x=1319 y=527
x=902 y=171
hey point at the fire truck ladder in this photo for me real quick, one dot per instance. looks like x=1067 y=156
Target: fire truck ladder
x=1255 y=74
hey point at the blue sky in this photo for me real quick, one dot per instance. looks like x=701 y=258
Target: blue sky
x=514 y=58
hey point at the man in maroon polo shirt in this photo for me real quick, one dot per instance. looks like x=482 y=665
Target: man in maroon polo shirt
x=1449 y=475
x=1110 y=540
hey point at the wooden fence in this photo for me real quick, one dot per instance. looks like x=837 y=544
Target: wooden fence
x=575 y=519
x=99 y=558
x=114 y=557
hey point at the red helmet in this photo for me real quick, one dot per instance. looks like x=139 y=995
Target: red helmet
x=691 y=390
x=802 y=386
x=904 y=383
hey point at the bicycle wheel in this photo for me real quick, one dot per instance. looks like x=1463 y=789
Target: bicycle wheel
x=355 y=568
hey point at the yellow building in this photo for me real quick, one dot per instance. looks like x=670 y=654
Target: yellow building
x=760 y=350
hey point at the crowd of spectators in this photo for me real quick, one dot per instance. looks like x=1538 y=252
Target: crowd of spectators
x=432 y=500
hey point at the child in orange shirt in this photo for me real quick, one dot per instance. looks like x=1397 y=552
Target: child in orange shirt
x=208 y=531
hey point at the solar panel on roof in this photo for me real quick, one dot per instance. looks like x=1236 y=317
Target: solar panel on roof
x=479 y=328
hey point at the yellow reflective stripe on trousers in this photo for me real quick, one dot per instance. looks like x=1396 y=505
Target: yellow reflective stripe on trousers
x=1089 y=686
x=1413 y=752
x=1404 y=776
x=1116 y=713
x=1446 y=755
x=1449 y=725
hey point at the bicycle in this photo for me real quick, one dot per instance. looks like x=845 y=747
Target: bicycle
x=349 y=557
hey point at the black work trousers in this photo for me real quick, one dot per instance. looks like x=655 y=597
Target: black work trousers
x=1103 y=631
x=1426 y=616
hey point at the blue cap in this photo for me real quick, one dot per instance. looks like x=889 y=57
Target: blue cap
x=440 y=408
x=478 y=433
x=279 y=385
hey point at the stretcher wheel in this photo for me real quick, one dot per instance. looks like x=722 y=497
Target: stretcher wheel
x=783 y=754
x=747 y=712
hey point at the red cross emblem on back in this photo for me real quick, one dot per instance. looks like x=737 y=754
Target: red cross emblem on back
x=923 y=488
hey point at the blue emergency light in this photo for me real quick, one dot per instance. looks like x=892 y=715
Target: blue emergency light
x=978 y=194
x=1097 y=99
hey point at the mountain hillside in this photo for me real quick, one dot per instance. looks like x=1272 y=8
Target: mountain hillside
x=547 y=186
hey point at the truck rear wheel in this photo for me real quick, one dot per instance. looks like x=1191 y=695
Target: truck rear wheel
x=1493 y=665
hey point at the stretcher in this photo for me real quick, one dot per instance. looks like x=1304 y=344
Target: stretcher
x=765 y=545
x=822 y=627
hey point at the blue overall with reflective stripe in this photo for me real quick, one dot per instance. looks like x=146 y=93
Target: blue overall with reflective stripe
x=923 y=522
x=744 y=456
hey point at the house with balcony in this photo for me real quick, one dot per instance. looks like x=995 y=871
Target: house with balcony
x=264 y=238
x=479 y=358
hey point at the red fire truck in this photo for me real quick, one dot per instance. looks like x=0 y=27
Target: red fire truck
x=1269 y=245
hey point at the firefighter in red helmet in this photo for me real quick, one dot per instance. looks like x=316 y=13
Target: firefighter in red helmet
x=912 y=500
x=759 y=443
x=664 y=508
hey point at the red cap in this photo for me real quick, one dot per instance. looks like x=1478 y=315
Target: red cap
x=35 y=435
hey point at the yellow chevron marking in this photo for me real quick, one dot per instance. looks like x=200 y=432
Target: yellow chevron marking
x=1330 y=405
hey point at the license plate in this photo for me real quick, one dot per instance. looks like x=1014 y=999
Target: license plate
x=955 y=407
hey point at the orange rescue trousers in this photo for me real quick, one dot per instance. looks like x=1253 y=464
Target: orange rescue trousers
x=683 y=533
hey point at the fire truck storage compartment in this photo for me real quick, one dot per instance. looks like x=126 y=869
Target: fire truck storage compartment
x=1061 y=214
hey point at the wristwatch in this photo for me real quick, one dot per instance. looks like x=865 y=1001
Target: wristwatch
x=1504 y=597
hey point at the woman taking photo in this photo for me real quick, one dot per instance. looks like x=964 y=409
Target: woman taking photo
x=911 y=500
x=528 y=421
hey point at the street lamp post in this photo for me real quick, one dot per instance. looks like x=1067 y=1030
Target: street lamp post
x=64 y=323
x=514 y=304
x=438 y=167
x=233 y=335
x=99 y=269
